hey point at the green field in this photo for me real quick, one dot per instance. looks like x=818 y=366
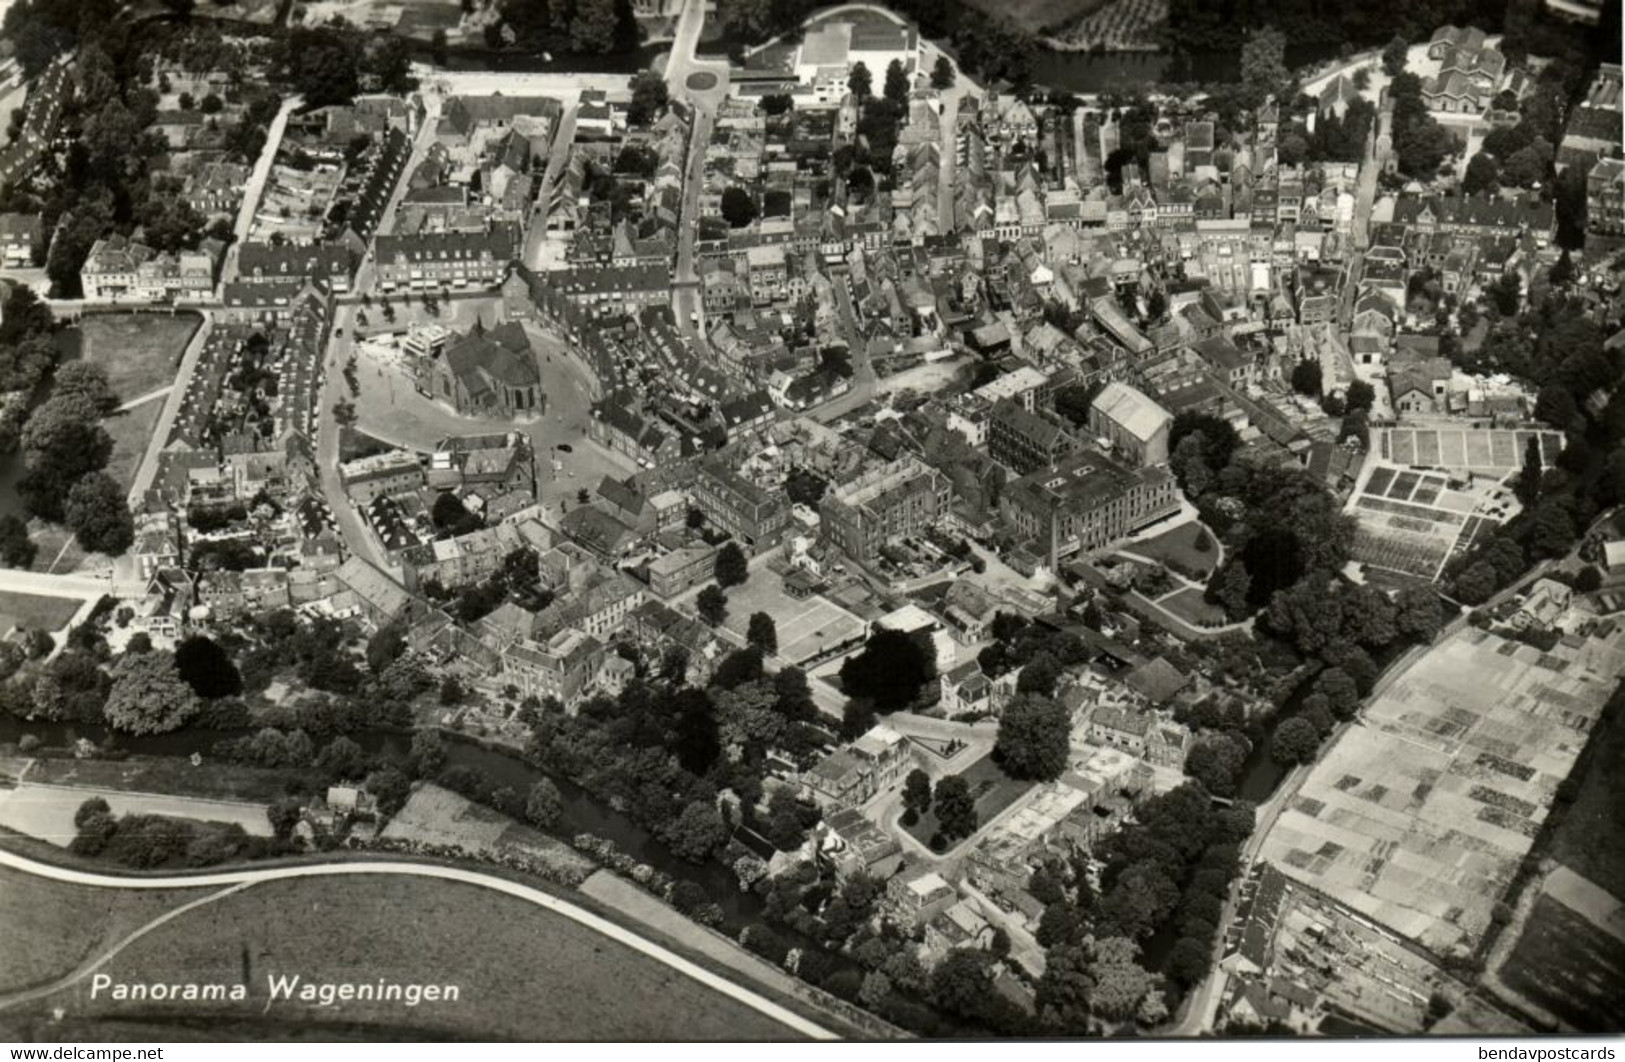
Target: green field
x=1178 y=545
x=1564 y=964
x=140 y=352
x=520 y=972
x=131 y=431
x=36 y=611
x=50 y=928
x=1591 y=838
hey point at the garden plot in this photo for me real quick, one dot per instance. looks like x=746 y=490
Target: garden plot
x=1420 y=818
x=1493 y=452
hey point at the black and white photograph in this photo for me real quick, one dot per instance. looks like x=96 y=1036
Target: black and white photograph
x=761 y=521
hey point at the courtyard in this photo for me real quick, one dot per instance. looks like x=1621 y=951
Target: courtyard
x=992 y=789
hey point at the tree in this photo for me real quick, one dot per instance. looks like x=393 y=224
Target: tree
x=342 y=759
x=207 y=668
x=544 y=804
x=1064 y=990
x=917 y=792
x=1035 y=737
x=438 y=54
x=942 y=74
x=732 y=566
x=896 y=89
x=697 y=832
x=98 y=513
x=1295 y=741
x=649 y=98
x=594 y=27
x=1039 y=676
x=1306 y=377
x=1483 y=175
x=860 y=81
x=148 y=695
x=428 y=754
x=763 y=633
x=1527 y=485
x=86 y=381
x=1234 y=590
x=1263 y=65
x=956 y=808
x=1120 y=982
x=16 y=549
x=890 y=671
x=1394 y=55
x=712 y=605
x=1562 y=272
x=1215 y=760
x=738 y=208
x=1340 y=690
x=1059 y=924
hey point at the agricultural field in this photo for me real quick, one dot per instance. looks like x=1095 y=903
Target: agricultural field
x=1118 y=25
x=520 y=972
x=1564 y=965
x=1044 y=16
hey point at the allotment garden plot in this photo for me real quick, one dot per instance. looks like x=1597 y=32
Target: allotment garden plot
x=1420 y=818
x=1412 y=520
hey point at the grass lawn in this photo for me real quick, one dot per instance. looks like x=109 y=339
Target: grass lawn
x=1190 y=605
x=36 y=611
x=993 y=789
x=1179 y=546
x=176 y=775
x=1591 y=839
x=131 y=431
x=521 y=973
x=52 y=927
x=50 y=540
x=140 y=352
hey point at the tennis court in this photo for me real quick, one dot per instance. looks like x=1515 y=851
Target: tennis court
x=806 y=627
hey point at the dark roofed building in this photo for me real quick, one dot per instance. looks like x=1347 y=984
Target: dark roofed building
x=486 y=371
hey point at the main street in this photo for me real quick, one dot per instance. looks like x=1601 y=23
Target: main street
x=234 y=879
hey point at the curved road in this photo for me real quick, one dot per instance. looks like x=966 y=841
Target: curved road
x=617 y=933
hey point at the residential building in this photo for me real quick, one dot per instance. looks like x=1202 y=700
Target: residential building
x=847 y=777
x=433 y=260
x=756 y=515
x=1024 y=441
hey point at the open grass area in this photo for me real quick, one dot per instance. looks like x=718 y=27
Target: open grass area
x=1565 y=965
x=140 y=352
x=1177 y=547
x=51 y=927
x=993 y=789
x=131 y=431
x=213 y=779
x=1191 y=606
x=36 y=611
x=519 y=972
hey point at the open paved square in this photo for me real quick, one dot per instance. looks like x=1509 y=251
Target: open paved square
x=1420 y=817
x=806 y=628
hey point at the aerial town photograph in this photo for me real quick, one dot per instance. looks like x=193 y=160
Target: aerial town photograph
x=790 y=520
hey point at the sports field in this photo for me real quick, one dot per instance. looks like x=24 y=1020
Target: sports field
x=1420 y=817
x=806 y=627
